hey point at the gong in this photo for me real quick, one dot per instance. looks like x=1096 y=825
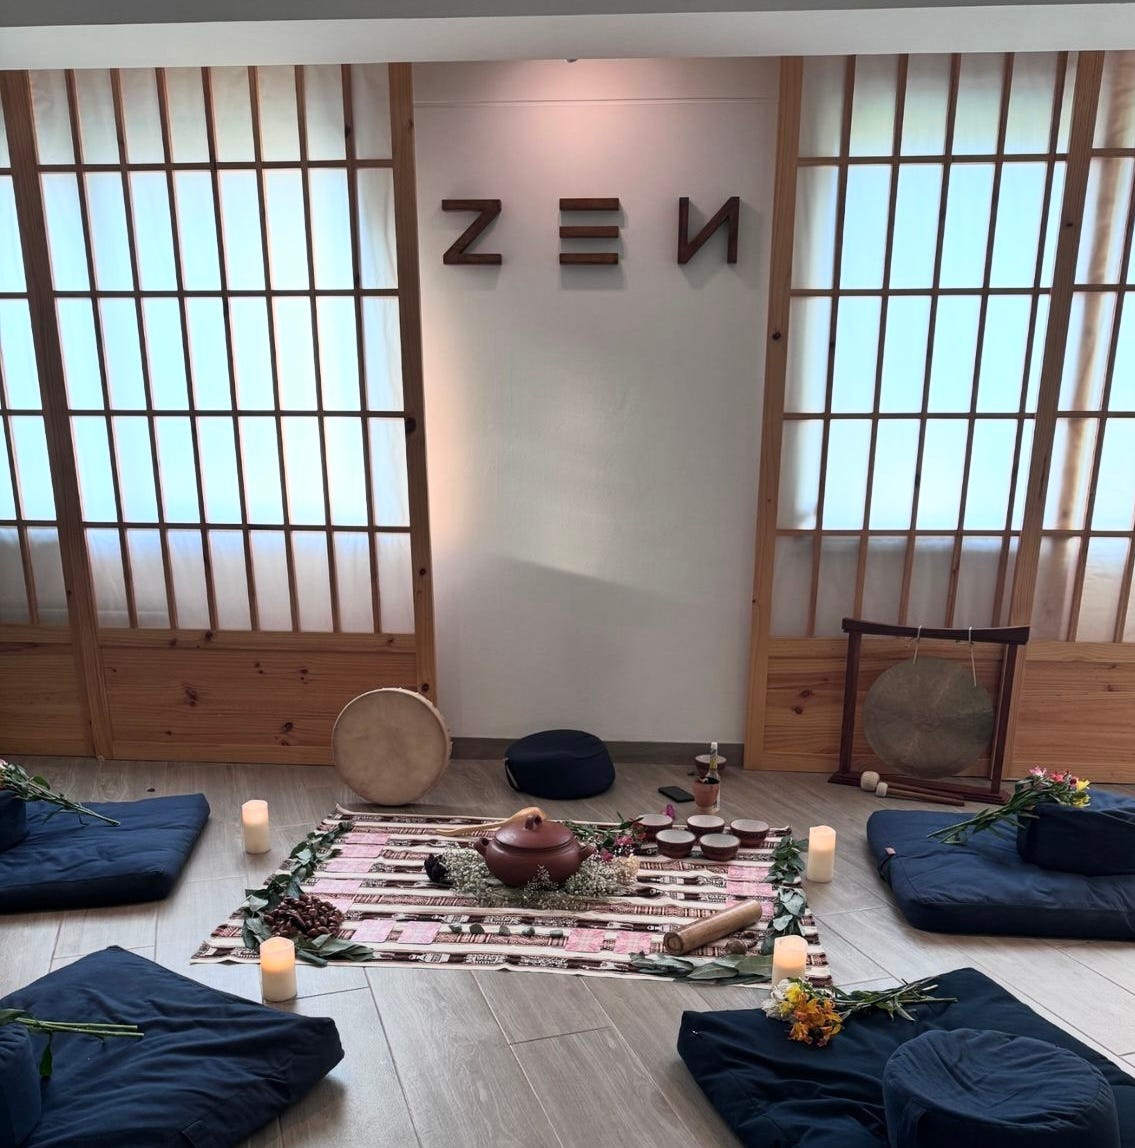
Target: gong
x=928 y=717
x=390 y=745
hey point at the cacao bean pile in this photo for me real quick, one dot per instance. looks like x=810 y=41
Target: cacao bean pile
x=303 y=916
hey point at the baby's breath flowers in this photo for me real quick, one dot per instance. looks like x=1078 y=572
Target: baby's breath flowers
x=1039 y=787
x=815 y=1015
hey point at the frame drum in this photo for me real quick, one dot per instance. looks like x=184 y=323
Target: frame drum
x=390 y=745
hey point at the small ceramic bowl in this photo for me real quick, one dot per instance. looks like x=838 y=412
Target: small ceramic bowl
x=719 y=846
x=701 y=823
x=675 y=842
x=750 y=833
x=653 y=823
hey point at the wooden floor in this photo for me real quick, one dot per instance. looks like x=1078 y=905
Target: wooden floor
x=459 y=1059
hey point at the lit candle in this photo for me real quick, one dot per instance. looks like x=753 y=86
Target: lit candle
x=277 y=969
x=821 y=853
x=254 y=819
x=789 y=958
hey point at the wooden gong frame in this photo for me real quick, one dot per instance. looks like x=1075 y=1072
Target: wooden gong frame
x=1012 y=638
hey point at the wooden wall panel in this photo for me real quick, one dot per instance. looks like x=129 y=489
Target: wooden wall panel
x=229 y=704
x=41 y=708
x=1077 y=708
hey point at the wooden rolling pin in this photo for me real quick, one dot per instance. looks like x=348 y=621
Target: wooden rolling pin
x=678 y=942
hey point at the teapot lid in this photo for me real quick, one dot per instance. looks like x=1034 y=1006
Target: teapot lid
x=534 y=833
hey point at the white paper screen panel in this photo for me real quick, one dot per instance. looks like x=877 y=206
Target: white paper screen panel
x=31 y=572
x=1084 y=585
x=223 y=259
x=928 y=195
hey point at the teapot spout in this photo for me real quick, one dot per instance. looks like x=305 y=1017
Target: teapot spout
x=586 y=851
x=481 y=844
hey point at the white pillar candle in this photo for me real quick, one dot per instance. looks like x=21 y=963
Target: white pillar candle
x=789 y=958
x=254 y=820
x=821 y=853
x=277 y=969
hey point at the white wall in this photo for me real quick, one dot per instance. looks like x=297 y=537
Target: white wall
x=593 y=432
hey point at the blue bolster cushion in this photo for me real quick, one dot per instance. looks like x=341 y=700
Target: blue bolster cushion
x=985 y=887
x=72 y=862
x=561 y=764
x=969 y=1086
x=210 y=1070
x=777 y=1093
x=13 y=819
x=1097 y=840
x=20 y=1099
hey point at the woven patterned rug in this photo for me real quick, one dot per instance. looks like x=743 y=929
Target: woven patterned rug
x=375 y=876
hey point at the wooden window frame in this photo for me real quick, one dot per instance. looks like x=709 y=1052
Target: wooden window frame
x=794 y=709
x=349 y=661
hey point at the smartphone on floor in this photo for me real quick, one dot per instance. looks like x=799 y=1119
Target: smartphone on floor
x=675 y=793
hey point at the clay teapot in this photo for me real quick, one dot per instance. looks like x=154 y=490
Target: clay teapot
x=519 y=848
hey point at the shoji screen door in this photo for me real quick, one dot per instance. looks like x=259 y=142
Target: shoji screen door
x=221 y=449
x=948 y=407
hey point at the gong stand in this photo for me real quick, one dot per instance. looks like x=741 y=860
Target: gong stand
x=1012 y=638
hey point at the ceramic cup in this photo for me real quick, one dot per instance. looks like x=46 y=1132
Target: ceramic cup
x=719 y=846
x=652 y=823
x=750 y=833
x=702 y=823
x=675 y=843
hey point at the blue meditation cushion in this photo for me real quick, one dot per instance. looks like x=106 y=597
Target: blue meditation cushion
x=72 y=862
x=969 y=1086
x=985 y=887
x=561 y=764
x=210 y=1070
x=778 y=1093
x=1097 y=839
x=13 y=819
x=20 y=1099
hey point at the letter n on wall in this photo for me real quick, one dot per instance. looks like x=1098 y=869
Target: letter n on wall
x=729 y=212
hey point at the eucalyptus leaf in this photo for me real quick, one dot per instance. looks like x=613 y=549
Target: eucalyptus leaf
x=754 y=965
x=476 y=928
x=711 y=972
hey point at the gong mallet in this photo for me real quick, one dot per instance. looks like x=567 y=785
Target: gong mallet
x=678 y=942
x=904 y=793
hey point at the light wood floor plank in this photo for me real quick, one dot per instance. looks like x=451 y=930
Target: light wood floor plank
x=647 y=1016
x=526 y=1010
x=83 y=931
x=27 y=944
x=462 y=1082
x=585 y=1079
x=360 y=1103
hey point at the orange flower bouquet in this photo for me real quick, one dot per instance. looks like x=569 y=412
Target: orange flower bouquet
x=814 y=1015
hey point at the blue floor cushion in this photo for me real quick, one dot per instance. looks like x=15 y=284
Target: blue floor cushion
x=210 y=1070
x=775 y=1093
x=985 y=887
x=68 y=862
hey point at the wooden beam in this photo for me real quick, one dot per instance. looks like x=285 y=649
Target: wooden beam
x=413 y=399
x=1085 y=100
x=776 y=363
x=15 y=94
x=1089 y=69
